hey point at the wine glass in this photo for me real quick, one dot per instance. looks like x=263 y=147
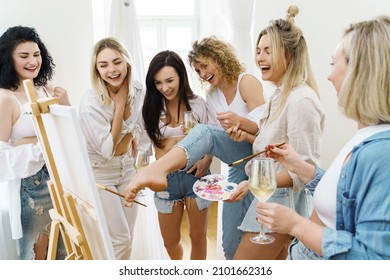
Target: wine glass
x=262 y=183
x=189 y=121
x=141 y=160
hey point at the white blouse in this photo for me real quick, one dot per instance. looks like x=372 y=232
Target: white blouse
x=96 y=120
x=300 y=123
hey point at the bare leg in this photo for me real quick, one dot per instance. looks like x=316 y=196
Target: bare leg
x=42 y=244
x=170 y=231
x=274 y=251
x=197 y=221
x=154 y=175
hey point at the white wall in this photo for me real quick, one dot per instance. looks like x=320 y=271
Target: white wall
x=65 y=26
x=322 y=23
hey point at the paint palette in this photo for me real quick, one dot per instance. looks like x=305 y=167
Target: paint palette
x=214 y=187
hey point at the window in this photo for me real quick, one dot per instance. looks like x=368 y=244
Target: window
x=168 y=25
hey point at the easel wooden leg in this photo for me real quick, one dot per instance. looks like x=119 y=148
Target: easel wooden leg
x=53 y=239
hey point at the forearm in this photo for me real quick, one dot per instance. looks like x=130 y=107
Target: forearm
x=116 y=126
x=249 y=126
x=309 y=233
x=305 y=171
x=28 y=140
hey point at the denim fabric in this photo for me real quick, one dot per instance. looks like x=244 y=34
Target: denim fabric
x=180 y=186
x=232 y=215
x=35 y=206
x=363 y=204
x=206 y=139
x=298 y=251
x=212 y=140
x=282 y=196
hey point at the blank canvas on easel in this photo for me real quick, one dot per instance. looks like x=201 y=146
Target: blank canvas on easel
x=73 y=165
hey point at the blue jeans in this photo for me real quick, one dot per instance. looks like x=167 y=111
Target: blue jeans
x=35 y=206
x=205 y=139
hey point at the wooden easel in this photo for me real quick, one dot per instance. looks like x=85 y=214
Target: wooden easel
x=64 y=215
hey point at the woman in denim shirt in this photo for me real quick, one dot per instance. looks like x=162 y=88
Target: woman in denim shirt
x=355 y=225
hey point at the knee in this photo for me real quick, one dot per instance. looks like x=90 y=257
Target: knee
x=41 y=245
x=197 y=235
x=172 y=243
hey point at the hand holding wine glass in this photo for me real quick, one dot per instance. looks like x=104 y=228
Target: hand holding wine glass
x=262 y=183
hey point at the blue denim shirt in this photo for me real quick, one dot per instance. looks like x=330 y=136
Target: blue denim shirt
x=363 y=203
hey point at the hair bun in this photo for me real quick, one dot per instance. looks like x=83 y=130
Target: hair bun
x=292 y=11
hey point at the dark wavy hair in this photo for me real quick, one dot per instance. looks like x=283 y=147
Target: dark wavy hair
x=154 y=101
x=8 y=43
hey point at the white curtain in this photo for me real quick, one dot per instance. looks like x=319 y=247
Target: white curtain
x=241 y=13
x=123 y=25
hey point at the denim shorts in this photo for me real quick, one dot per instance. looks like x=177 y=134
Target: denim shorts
x=282 y=196
x=179 y=188
x=35 y=206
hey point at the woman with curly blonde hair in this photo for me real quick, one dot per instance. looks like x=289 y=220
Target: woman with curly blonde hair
x=233 y=96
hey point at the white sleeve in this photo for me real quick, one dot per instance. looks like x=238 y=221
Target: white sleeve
x=19 y=162
x=96 y=130
x=258 y=113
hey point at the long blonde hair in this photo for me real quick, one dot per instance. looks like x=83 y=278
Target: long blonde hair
x=287 y=39
x=98 y=84
x=365 y=92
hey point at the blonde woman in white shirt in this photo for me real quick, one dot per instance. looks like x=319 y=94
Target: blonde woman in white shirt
x=295 y=116
x=111 y=123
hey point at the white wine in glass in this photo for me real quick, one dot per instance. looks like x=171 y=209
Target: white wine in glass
x=141 y=160
x=189 y=121
x=262 y=184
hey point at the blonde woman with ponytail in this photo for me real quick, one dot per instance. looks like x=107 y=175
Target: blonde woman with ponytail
x=295 y=116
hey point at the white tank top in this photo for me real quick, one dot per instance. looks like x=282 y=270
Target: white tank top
x=24 y=126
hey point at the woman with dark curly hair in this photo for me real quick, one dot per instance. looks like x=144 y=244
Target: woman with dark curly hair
x=24 y=56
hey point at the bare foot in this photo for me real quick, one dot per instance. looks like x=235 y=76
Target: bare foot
x=151 y=177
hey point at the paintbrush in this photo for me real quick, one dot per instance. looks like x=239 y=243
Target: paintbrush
x=119 y=194
x=254 y=155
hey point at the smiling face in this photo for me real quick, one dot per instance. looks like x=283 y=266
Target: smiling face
x=27 y=60
x=208 y=72
x=112 y=67
x=339 y=68
x=264 y=59
x=167 y=82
